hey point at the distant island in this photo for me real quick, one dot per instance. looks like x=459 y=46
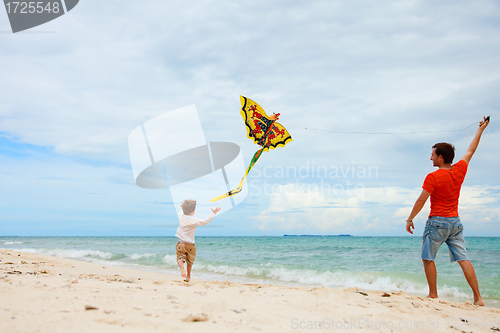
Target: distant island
x=317 y=235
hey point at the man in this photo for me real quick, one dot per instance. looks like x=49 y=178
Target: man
x=443 y=225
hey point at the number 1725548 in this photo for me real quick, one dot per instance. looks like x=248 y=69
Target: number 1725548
x=32 y=7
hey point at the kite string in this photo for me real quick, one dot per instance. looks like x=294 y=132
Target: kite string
x=387 y=133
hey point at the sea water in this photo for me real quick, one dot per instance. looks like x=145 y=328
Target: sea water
x=368 y=263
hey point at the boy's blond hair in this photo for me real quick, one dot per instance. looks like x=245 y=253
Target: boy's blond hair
x=188 y=206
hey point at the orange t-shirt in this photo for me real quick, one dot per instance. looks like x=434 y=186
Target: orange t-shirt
x=444 y=187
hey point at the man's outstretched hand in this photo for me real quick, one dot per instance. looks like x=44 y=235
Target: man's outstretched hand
x=216 y=210
x=410 y=226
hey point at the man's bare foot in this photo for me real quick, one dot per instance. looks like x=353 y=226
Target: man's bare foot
x=432 y=296
x=187 y=279
x=479 y=302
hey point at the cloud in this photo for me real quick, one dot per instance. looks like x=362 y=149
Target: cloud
x=350 y=66
x=310 y=209
x=364 y=66
x=479 y=209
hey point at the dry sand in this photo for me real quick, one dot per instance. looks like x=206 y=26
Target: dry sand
x=47 y=294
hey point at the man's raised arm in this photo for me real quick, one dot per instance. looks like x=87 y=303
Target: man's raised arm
x=475 y=142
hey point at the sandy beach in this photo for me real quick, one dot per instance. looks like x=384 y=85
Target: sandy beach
x=47 y=294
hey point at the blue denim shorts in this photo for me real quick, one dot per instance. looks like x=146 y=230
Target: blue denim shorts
x=439 y=230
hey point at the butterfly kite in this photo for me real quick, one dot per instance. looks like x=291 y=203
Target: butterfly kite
x=263 y=130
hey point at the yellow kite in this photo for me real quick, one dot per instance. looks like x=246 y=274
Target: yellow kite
x=263 y=130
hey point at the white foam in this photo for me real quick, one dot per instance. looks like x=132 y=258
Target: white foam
x=137 y=256
x=81 y=254
x=73 y=254
x=231 y=270
x=453 y=292
x=336 y=279
x=170 y=260
x=265 y=273
x=11 y=243
x=29 y=250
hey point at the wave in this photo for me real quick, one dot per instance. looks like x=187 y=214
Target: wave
x=68 y=253
x=253 y=272
x=170 y=260
x=11 y=243
x=138 y=256
x=331 y=279
x=29 y=250
x=103 y=257
x=71 y=253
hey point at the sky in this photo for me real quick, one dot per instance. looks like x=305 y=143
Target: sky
x=340 y=73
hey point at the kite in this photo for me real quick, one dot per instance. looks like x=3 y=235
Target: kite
x=263 y=130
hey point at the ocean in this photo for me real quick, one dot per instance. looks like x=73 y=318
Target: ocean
x=368 y=263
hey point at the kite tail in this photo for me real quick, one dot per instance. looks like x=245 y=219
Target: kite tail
x=237 y=190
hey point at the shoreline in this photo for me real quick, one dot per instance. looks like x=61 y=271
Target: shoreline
x=51 y=294
x=243 y=279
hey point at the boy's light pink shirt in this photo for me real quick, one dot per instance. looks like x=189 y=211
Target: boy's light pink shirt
x=188 y=224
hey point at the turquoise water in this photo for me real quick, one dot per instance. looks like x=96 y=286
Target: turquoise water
x=369 y=263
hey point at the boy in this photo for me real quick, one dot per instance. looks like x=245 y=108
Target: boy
x=185 y=248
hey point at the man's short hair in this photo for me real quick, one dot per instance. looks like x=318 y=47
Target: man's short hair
x=446 y=150
x=188 y=206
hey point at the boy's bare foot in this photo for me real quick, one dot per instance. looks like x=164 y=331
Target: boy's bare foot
x=187 y=279
x=183 y=271
x=181 y=267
